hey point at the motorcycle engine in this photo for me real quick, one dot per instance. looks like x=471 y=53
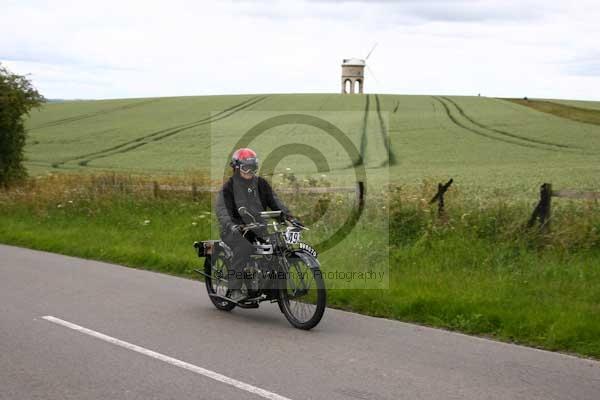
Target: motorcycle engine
x=252 y=278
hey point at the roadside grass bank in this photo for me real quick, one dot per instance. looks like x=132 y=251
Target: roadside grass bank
x=480 y=271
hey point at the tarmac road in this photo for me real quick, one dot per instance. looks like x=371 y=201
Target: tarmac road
x=79 y=329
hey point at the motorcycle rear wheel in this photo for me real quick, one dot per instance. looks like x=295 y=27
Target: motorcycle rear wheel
x=216 y=281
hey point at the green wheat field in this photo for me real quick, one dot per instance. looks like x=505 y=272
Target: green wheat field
x=483 y=143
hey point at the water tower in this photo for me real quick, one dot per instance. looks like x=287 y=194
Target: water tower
x=353 y=75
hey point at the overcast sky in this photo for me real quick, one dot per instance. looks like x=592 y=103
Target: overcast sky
x=123 y=48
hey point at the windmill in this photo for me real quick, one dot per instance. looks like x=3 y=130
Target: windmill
x=353 y=73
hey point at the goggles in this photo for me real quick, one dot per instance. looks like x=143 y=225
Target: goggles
x=249 y=167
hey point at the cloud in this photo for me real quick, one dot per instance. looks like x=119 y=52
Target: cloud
x=585 y=66
x=33 y=55
x=451 y=10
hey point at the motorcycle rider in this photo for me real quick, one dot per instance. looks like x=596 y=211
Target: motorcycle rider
x=244 y=189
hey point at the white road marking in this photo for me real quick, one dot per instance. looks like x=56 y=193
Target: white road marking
x=170 y=360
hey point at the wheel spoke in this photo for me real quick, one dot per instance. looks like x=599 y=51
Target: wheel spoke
x=219 y=271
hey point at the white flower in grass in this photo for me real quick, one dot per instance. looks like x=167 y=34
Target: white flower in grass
x=288 y=169
x=59 y=206
x=70 y=201
x=194 y=223
x=146 y=222
x=202 y=216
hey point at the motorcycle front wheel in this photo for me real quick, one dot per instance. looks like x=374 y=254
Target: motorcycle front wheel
x=302 y=295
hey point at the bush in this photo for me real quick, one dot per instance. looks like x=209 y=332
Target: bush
x=17 y=98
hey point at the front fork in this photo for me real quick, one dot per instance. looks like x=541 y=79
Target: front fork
x=297 y=287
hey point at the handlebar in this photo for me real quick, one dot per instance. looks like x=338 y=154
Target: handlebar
x=270 y=214
x=256 y=225
x=251 y=226
x=267 y=214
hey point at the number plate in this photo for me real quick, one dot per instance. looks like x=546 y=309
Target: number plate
x=292 y=237
x=309 y=249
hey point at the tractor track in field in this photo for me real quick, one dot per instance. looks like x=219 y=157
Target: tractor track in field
x=105 y=168
x=490 y=136
x=363 y=138
x=80 y=117
x=161 y=134
x=391 y=158
x=512 y=135
x=209 y=120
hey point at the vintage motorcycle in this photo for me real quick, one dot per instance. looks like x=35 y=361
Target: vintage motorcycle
x=282 y=269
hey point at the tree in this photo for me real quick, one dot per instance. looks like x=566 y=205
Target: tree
x=17 y=98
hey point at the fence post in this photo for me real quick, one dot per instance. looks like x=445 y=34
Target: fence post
x=546 y=206
x=441 y=200
x=155 y=189
x=543 y=210
x=194 y=192
x=360 y=194
x=439 y=197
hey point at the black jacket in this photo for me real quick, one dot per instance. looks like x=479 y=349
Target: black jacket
x=255 y=194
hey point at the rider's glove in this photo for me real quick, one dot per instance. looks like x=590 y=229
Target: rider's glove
x=296 y=222
x=292 y=219
x=285 y=217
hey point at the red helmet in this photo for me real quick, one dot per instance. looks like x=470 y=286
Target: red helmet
x=246 y=160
